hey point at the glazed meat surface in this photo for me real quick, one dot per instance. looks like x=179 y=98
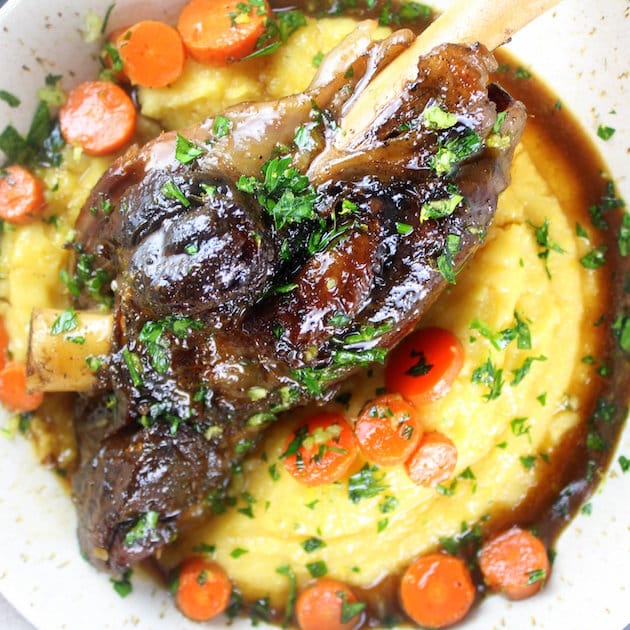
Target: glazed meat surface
x=254 y=268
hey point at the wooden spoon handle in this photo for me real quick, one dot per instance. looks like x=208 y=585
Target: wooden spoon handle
x=491 y=22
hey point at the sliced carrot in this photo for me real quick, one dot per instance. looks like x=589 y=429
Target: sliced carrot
x=423 y=367
x=328 y=605
x=98 y=116
x=13 y=392
x=434 y=461
x=219 y=32
x=203 y=589
x=388 y=430
x=514 y=562
x=21 y=195
x=152 y=53
x=437 y=591
x=320 y=450
x=4 y=344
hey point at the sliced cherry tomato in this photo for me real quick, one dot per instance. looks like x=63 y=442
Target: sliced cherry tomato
x=320 y=450
x=423 y=367
x=388 y=430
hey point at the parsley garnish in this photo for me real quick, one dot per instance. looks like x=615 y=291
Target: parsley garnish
x=446 y=259
x=286 y=570
x=145 y=527
x=420 y=367
x=10 y=99
x=152 y=336
x=536 y=576
x=436 y=118
x=605 y=133
x=366 y=483
x=317 y=569
x=172 y=191
x=595 y=259
x=278 y=29
x=187 y=151
x=487 y=374
x=221 y=126
x=284 y=192
x=520 y=373
x=312 y=544
x=624 y=463
x=134 y=365
x=454 y=151
x=65 y=322
x=349 y=610
x=528 y=461
x=123 y=584
x=237 y=552
x=547 y=245
x=440 y=208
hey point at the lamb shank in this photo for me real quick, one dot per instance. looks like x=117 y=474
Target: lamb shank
x=253 y=263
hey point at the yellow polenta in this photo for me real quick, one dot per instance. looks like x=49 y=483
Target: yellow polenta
x=504 y=443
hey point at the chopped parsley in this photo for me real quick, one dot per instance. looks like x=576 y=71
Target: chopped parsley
x=604 y=132
x=519 y=427
x=624 y=463
x=66 y=321
x=366 y=483
x=10 y=99
x=521 y=372
x=287 y=571
x=420 y=367
x=500 y=340
x=437 y=118
x=312 y=544
x=144 y=528
x=528 y=461
x=134 y=365
x=446 y=260
x=278 y=28
x=152 y=336
x=595 y=259
x=237 y=552
x=122 y=585
x=488 y=375
x=187 y=151
x=538 y=575
x=546 y=244
x=317 y=59
x=172 y=191
x=283 y=191
x=349 y=610
x=221 y=126
x=454 y=151
x=317 y=569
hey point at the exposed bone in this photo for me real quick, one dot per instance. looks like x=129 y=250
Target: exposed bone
x=59 y=362
x=490 y=22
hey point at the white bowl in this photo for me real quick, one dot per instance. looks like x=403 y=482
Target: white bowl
x=582 y=49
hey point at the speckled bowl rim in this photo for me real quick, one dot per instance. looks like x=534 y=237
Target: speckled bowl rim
x=581 y=49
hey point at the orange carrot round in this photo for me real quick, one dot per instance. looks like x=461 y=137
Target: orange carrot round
x=203 y=589
x=152 y=53
x=13 y=392
x=514 y=562
x=219 y=32
x=388 y=430
x=423 y=367
x=21 y=195
x=98 y=116
x=328 y=605
x=320 y=450
x=437 y=591
x=434 y=460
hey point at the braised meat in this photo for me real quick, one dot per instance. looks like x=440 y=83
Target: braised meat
x=254 y=267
